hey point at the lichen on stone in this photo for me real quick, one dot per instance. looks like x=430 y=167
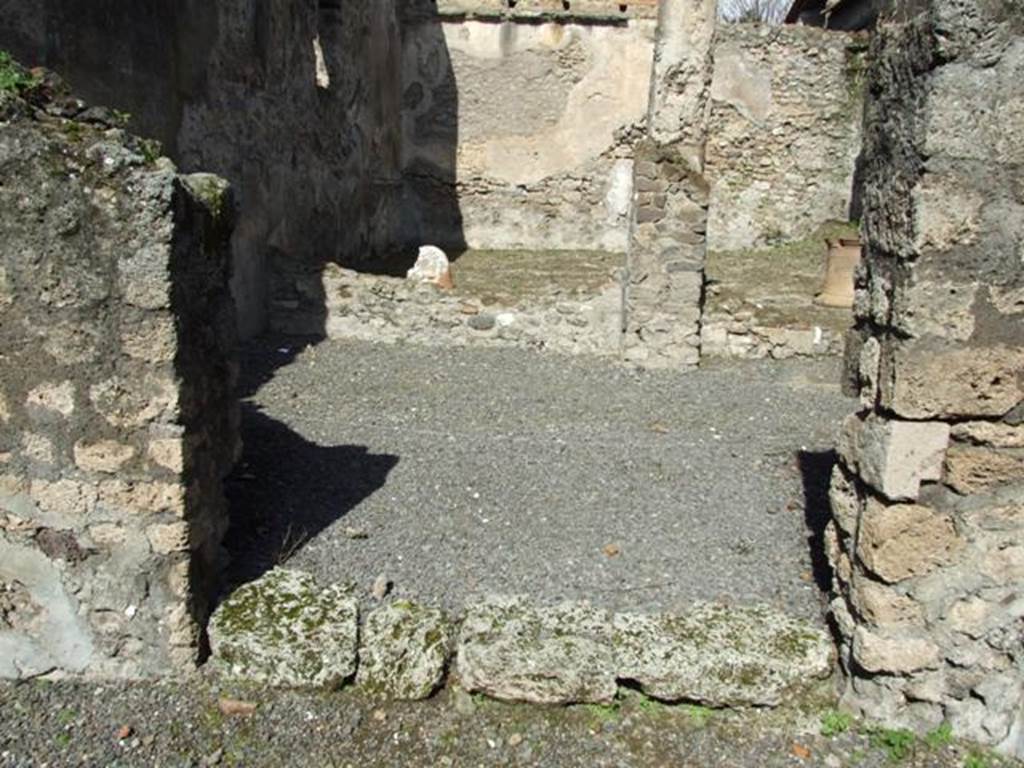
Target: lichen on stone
x=404 y=651
x=282 y=629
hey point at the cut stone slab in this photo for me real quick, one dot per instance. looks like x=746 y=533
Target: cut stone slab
x=511 y=650
x=895 y=457
x=284 y=630
x=404 y=651
x=720 y=655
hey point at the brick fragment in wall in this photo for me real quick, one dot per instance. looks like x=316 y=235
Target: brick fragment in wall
x=1004 y=564
x=844 y=500
x=895 y=653
x=106 y=456
x=883 y=605
x=976 y=616
x=995 y=515
x=54 y=398
x=991 y=433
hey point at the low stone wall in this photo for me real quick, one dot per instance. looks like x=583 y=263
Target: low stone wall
x=784 y=132
x=389 y=309
x=740 y=335
x=927 y=538
x=117 y=416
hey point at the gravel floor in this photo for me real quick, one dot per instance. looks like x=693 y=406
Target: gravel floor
x=61 y=724
x=457 y=471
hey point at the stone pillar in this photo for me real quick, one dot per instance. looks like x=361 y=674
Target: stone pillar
x=117 y=412
x=927 y=535
x=665 y=263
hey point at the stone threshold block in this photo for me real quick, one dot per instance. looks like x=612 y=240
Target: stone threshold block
x=284 y=630
x=718 y=655
x=509 y=649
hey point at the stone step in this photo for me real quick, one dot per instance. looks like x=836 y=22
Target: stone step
x=285 y=630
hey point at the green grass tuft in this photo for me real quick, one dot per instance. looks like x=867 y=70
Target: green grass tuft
x=698 y=713
x=833 y=723
x=939 y=737
x=13 y=78
x=898 y=743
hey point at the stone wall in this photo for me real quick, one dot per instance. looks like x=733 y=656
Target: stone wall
x=117 y=415
x=390 y=310
x=667 y=245
x=295 y=103
x=784 y=132
x=525 y=122
x=927 y=538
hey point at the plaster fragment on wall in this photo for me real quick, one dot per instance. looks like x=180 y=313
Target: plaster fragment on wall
x=323 y=77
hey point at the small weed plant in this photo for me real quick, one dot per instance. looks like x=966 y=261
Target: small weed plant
x=834 y=723
x=12 y=77
x=898 y=743
x=940 y=737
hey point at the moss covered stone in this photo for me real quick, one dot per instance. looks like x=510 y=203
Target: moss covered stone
x=720 y=655
x=404 y=651
x=512 y=650
x=284 y=630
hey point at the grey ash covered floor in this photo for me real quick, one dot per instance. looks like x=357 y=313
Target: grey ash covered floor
x=454 y=472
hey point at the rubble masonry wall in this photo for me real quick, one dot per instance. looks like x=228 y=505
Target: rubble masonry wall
x=117 y=415
x=927 y=537
x=784 y=132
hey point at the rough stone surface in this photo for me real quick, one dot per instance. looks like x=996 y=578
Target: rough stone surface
x=666 y=251
x=389 y=310
x=895 y=457
x=720 y=655
x=974 y=470
x=518 y=134
x=942 y=351
x=904 y=540
x=512 y=650
x=897 y=655
x=103 y=238
x=784 y=132
x=283 y=630
x=404 y=650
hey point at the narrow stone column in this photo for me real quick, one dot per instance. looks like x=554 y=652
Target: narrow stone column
x=670 y=200
x=927 y=535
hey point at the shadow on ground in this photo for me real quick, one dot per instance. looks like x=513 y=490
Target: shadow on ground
x=286 y=490
x=816 y=472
